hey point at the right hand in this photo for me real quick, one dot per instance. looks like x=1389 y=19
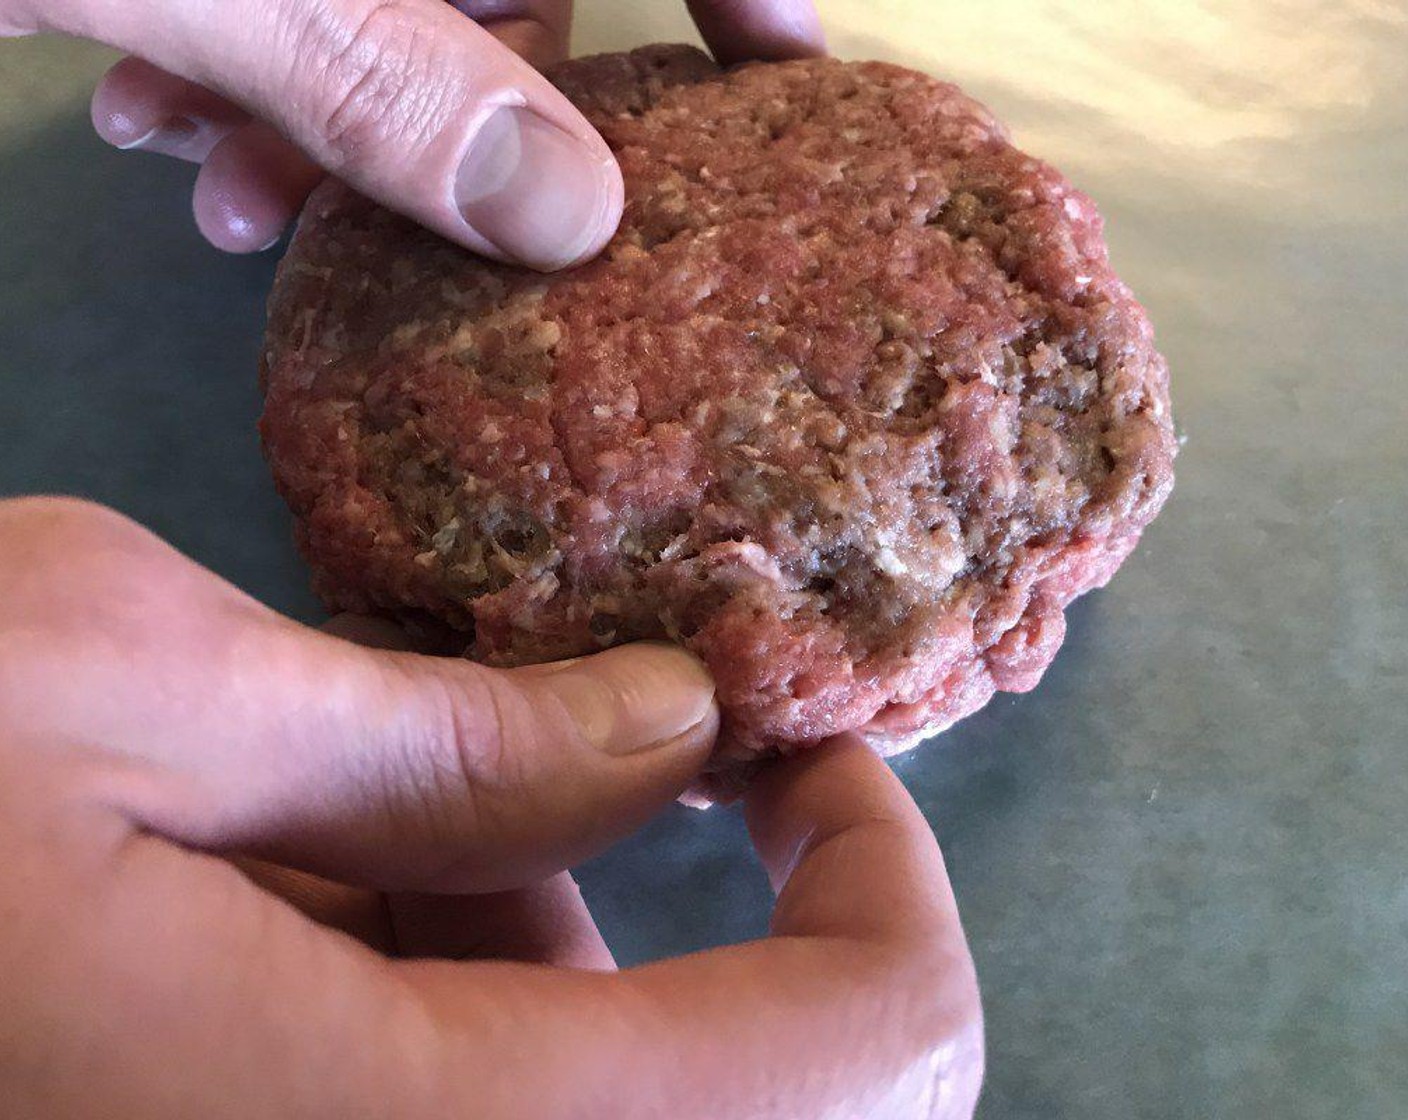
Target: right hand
x=421 y=104
x=156 y=726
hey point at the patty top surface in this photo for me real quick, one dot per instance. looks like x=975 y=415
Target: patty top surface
x=852 y=404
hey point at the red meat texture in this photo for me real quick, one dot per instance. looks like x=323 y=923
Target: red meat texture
x=851 y=406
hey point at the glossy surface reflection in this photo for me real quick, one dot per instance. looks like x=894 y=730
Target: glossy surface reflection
x=1181 y=859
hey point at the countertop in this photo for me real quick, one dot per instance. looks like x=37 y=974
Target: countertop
x=1182 y=860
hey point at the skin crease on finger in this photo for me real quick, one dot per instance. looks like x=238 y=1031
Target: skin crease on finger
x=545 y=923
x=412 y=748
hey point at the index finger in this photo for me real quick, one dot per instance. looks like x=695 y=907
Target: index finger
x=537 y=30
x=738 y=30
x=864 y=999
x=862 y=1003
x=848 y=851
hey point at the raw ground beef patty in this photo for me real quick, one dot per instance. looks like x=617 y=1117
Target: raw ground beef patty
x=852 y=405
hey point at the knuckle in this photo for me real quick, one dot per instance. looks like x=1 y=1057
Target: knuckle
x=952 y=1038
x=71 y=567
x=462 y=769
x=924 y=1001
x=927 y=991
x=55 y=560
x=369 y=76
x=53 y=534
x=485 y=734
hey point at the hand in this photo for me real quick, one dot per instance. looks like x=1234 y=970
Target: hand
x=427 y=111
x=155 y=725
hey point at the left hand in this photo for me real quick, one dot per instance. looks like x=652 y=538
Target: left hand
x=433 y=108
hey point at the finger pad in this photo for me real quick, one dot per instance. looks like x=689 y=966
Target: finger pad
x=249 y=190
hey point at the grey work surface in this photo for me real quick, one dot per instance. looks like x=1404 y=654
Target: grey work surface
x=1181 y=860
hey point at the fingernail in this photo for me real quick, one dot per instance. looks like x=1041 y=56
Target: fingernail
x=538 y=194
x=170 y=138
x=547 y=668
x=636 y=697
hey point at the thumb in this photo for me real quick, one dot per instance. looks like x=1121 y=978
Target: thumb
x=490 y=779
x=205 y=717
x=406 y=772
x=409 y=101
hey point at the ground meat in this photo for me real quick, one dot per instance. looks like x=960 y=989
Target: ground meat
x=852 y=405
